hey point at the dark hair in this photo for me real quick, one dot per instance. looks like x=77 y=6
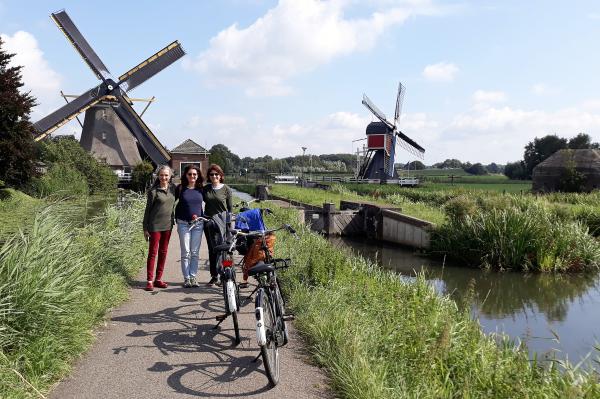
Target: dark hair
x=216 y=168
x=199 y=180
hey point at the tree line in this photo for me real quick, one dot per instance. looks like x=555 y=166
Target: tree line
x=540 y=149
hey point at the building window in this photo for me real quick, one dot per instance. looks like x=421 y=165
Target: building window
x=183 y=165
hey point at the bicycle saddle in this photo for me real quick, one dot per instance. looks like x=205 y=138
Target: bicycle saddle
x=222 y=247
x=261 y=267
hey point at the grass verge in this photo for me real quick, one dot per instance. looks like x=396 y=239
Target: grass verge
x=381 y=337
x=57 y=280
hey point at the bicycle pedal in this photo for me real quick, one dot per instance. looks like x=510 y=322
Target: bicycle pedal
x=221 y=317
x=289 y=317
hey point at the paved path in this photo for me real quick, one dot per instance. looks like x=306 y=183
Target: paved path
x=162 y=344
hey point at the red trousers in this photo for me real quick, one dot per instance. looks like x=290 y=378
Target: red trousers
x=159 y=242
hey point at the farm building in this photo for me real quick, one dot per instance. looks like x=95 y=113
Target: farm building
x=189 y=152
x=550 y=174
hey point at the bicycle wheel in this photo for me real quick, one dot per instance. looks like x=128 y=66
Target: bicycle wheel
x=269 y=352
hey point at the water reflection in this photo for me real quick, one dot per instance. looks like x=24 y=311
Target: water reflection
x=551 y=313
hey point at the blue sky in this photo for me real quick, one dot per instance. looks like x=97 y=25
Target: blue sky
x=482 y=78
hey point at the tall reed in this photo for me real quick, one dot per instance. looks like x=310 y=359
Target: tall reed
x=57 y=279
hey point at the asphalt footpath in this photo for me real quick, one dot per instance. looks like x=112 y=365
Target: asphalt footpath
x=163 y=344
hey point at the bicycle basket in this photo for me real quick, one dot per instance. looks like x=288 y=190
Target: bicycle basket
x=255 y=252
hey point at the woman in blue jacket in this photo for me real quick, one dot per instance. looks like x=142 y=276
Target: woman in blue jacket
x=189 y=207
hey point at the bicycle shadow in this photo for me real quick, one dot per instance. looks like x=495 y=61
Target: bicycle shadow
x=195 y=332
x=186 y=379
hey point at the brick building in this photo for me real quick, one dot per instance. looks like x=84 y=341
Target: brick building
x=187 y=153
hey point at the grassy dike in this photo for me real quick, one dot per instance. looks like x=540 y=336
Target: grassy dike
x=381 y=337
x=59 y=274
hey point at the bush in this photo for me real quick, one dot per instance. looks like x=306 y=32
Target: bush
x=141 y=176
x=62 y=181
x=66 y=150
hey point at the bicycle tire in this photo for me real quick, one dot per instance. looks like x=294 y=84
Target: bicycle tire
x=236 y=327
x=229 y=277
x=269 y=351
x=280 y=306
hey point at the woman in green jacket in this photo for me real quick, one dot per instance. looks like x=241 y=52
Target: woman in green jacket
x=158 y=223
x=217 y=201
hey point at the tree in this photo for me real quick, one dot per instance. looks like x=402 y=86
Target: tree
x=515 y=170
x=476 y=169
x=493 y=168
x=17 y=148
x=415 y=165
x=538 y=150
x=67 y=150
x=222 y=156
x=582 y=141
x=449 y=164
x=571 y=180
x=141 y=175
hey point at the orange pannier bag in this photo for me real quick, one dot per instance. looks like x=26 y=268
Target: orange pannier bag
x=255 y=254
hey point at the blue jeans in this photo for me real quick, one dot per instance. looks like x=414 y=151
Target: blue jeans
x=189 y=241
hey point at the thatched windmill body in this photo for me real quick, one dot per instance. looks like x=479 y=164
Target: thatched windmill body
x=112 y=129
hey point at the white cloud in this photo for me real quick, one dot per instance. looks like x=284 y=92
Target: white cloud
x=295 y=37
x=542 y=89
x=487 y=97
x=38 y=77
x=440 y=72
x=499 y=134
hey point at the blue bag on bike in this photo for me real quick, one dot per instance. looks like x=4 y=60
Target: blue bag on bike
x=250 y=220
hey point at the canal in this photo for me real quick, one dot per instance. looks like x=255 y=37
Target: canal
x=553 y=314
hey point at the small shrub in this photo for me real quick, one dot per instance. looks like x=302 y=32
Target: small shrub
x=61 y=180
x=142 y=173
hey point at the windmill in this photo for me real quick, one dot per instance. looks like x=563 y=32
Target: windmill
x=382 y=137
x=109 y=99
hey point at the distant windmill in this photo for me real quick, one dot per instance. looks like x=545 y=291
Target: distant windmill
x=382 y=137
x=109 y=99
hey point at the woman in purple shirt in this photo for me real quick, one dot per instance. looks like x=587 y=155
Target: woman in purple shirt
x=189 y=207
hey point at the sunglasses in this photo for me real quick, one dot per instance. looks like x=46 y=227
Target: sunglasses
x=213 y=174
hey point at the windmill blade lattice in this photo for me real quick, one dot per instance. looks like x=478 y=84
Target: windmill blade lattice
x=84 y=49
x=151 y=66
x=366 y=101
x=140 y=130
x=410 y=145
x=67 y=112
x=399 y=102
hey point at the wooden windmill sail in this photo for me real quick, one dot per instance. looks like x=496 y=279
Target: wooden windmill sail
x=382 y=137
x=111 y=93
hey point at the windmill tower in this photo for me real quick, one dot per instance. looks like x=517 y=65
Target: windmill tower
x=121 y=131
x=382 y=137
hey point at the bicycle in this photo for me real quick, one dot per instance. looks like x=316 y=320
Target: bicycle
x=226 y=270
x=271 y=328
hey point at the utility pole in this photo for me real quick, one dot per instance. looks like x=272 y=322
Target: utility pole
x=303 y=162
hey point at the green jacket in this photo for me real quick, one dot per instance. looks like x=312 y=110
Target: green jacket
x=159 y=209
x=217 y=201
